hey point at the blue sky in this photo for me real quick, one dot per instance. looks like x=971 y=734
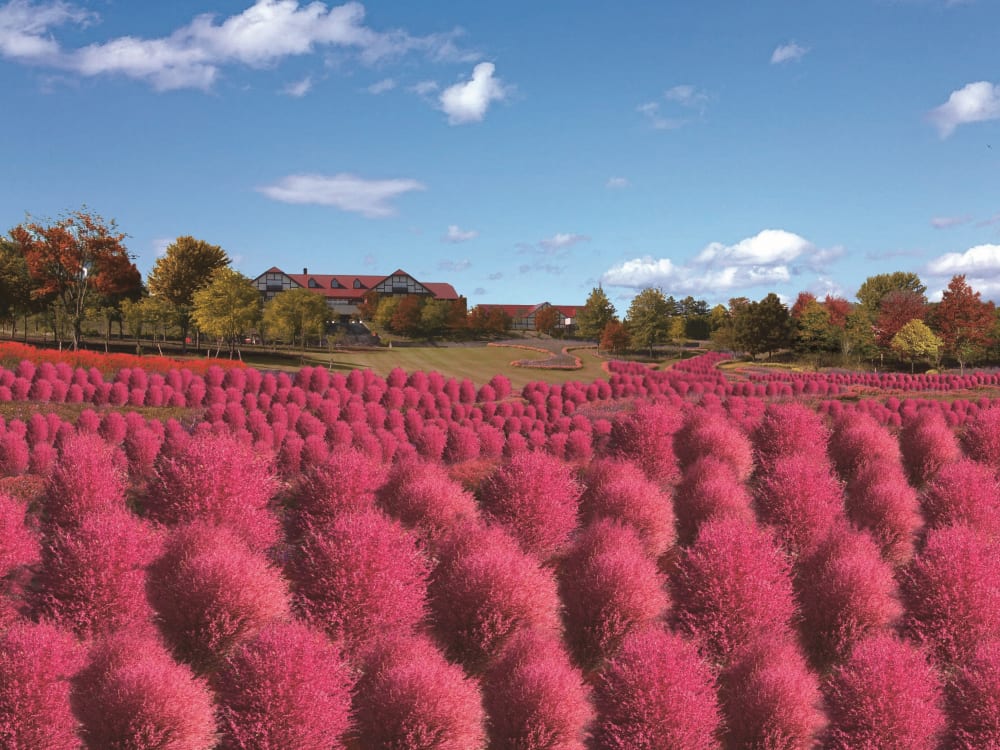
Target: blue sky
x=522 y=151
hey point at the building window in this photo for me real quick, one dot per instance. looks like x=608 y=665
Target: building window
x=313 y=284
x=357 y=284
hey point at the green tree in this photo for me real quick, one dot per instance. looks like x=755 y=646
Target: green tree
x=762 y=327
x=15 y=286
x=595 y=314
x=813 y=329
x=615 y=338
x=436 y=317
x=74 y=259
x=295 y=314
x=227 y=307
x=648 y=319
x=547 y=319
x=385 y=309
x=874 y=289
x=964 y=321
x=916 y=341
x=185 y=267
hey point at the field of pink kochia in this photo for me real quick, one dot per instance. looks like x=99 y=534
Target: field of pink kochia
x=665 y=559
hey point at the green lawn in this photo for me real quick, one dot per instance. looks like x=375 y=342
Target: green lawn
x=478 y=363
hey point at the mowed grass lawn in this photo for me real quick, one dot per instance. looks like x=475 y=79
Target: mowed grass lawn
x=478 y=363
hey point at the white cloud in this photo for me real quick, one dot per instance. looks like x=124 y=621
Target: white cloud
x=790 y=52
x=380 y=87
x=562 y=240
x=974 y=102
x=298 y=89
x=772 y=256
x=981 y=260
x=454 y=265
x=468 y=101
x=617 y=183
x=947 y=222
x=688 y=96
x=766 y=247
x=424 y=88
x=684 y=98
x=347 y=192
x=191 y=56
x=456 y=234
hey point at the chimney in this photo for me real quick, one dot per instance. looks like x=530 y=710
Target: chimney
x=305 y=271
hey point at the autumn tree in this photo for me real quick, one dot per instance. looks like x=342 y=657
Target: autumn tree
x=916 y=341
x=227 y=307
x=406 y=317
x=813 y=330
x=15 y=284
x=896 y=310
x=547 y=319
x=964 y=321
x=185 y=267
x=648 y=319
x=295 y=314
x=874 y=289
x=595 y=314
x=436 y=316
x=615 y=338
x=75 y=259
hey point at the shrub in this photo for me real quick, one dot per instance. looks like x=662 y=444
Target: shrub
x=981 y=438
x=656 y=693
x=91 y=476
x=422 y=495
x=93 y=576
x=346 y=481
x=14 y=454
x=18 y=544
x=410 y=698
x=619 y=490
x=286 y=688
x=37 y=662
x=534 y=698
x=218 y=479
x=801 y=498
x=885 y=696
x=535 y=495
x=709 y=489
x=927 y=444
x=133 y=695
x=609 y=587
x=484 y=589
x=359 y=576
x=845 y=592
x=732 y=587
x=964 y=492
x=858 y=439
x=973 y=708
x=879 y=499
x=770 y=700
x=211 y=593
x=952 y=593
x=709 y=432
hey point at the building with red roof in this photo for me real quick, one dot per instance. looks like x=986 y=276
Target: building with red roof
x=522 y=317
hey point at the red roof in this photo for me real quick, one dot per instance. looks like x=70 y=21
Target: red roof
x=523 y=311
x=342 y=286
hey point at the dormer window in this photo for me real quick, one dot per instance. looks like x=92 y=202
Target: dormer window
x=334 y=284
x=313 y=284
x=357 y=283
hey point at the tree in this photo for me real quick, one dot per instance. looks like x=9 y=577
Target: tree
x=547 y=319
x=896 y=310
x=227 y=306
x=875 y=288
x=384 y=313
x=648 y=319
x=74 y=259
x=615 y=338
x=595 y=314
x=763 y=326
x=185 y=267
x=916 y=341
x=295 y=314
x=15 y=284
x=406 y=317
x=813 y=329
x=436 y=316
x=964 y=321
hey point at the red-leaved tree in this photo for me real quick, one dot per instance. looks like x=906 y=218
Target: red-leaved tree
x=656 y=693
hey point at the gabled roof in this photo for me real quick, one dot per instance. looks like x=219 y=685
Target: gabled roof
x=341 y=285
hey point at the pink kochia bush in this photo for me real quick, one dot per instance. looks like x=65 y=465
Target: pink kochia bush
x=212 y=592
x=981 y=438
x=846 y=591
x=36 y=665
x=360 y=576
x=799 y=496
x=410 y=698
x=973 y=706
x=964 y=492
x=858 y=439
x=709 y=489
x=133 y=695
x=93 y=576
x=884 y=696
x=19 y=549
x=928 y=444
x=709 y=432
x=345 y=481
x=619 y=490
x=656 y=693
x=91 y=476
x=770 y=700
x=485 y=588
x=534 y=698
x=878 y=498
x=609 y=587
x=286 y=688
x=535 y=495
x=646 y=436
x=732 y=587
x=788 y=429
x=422 y=495
x=952 y=593
x=218 y=479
